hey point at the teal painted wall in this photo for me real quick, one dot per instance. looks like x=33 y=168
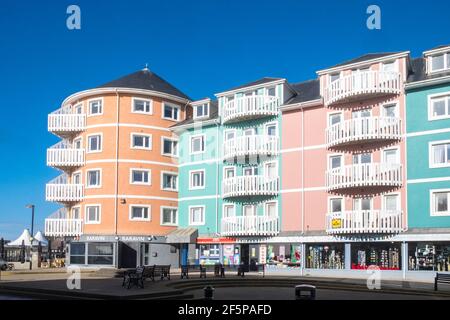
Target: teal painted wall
x=214 y=172
x=419 y=211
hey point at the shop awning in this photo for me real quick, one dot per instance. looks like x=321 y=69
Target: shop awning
x=183 y=235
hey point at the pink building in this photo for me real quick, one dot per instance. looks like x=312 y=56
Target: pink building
x=343 y=160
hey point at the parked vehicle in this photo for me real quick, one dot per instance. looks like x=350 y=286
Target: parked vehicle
x=3 y=264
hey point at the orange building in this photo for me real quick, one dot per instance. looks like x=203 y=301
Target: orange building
x=119 y=173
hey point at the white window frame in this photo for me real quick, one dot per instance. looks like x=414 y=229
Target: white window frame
x=330 y=114
x=254 y=210
x=86 y=221
x=332 y=155
x=354 y=199
x=431 y=163
x=163 y=106
x=227 y=131
x=76 y=106
x=265 y=211
x=334 y=73
x=78 y=172
x=395 y=62
x=149 y=210
x=150 y=101
x=162 y=147
x=432 y=212
x=161 y=216
x=202 y=106
x=148 y=135
x=225 y=168
x=192 y=223
x=430 y=62
x=80 y=216
x=270 y=124
x=397 y=149
x=389 y=104
x=191 y=172
x=399 y=200
x=203 y=136
x=228 y=205
x=149 y=172
x=89 y=113
x=75 y=141
x=266 y=164
x=88 y=147
x=162 y=180
x=431 y=97
x=100 y=178
x=336 y=198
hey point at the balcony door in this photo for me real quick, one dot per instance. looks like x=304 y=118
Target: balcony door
x=271 y=129
x=362 y=158
x=360 y=78
x=76 y=178
x=230 y=172
x=250 y=171
x=362 y=171
x=362 y=204
x=77 y=143
x=78 y=109
x=270 y=170
x=249 y=213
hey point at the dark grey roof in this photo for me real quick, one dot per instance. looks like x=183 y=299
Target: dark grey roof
x=305 y=91
x=366 y=57
x=255 y=83
x=213 y=114
x=439 y=47
x=418 y=71
x=147 y=80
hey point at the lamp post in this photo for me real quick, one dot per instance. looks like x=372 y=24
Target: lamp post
x=31 y=206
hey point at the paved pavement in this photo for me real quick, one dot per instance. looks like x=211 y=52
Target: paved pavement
x=271 y=287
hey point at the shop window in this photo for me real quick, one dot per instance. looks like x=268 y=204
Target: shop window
x=77 y=253
x=283 y=255
x=386 y=256
x=209 y=254
x=100 y=253
x=323 y=256
x=429 y=256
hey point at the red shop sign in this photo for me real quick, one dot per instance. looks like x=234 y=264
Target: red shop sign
x=216 y=240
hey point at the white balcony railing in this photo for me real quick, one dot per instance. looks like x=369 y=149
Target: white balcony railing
x=364 y=175
x=364 y=130
x=365 y=222
x=363 y=85
x=251 y=145
x=250 y=107
x=60 y=190
x=250 y=226
x=63 y=154
x=250 y=186
x=60 y=224
x=64 y=121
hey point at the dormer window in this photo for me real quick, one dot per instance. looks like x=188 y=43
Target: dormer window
x=334 y=77
x=439 y=62
x=390 y=66
x=201 y=111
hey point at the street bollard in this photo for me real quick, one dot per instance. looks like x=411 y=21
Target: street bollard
x=209 y=292
x=310 y=292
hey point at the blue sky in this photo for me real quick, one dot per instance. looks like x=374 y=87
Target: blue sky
x=202 y=47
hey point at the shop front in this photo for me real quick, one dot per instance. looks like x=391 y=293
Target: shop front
x=325 y=256
x=284 y=255
x=122 y=251
x=211 y=251
x=429 y=256
x=386 y=256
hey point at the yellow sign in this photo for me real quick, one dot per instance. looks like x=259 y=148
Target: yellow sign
x=336 y=223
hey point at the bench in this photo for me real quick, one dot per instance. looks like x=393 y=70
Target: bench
x=441 y=278
x=134 y=277
x=202 y=271
x=243 y=268
x=163 y=271
x=219 y=271
x=184 y=272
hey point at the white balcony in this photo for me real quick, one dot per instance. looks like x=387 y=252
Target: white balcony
x=368 y=175
x=250 y=226
x=64 y=123
x=60 y=190
x=364 y=130
x=250 y=107
x=362 y=86
x=365 y=222
x=254 y=145
x=62 y=155
x=61 y=224
x=244 y=186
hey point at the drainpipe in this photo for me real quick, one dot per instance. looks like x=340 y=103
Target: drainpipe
x=303 y=170
x=217 y=177
x=116 y=181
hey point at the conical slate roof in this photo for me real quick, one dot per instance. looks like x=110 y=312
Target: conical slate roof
x=147 y=80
